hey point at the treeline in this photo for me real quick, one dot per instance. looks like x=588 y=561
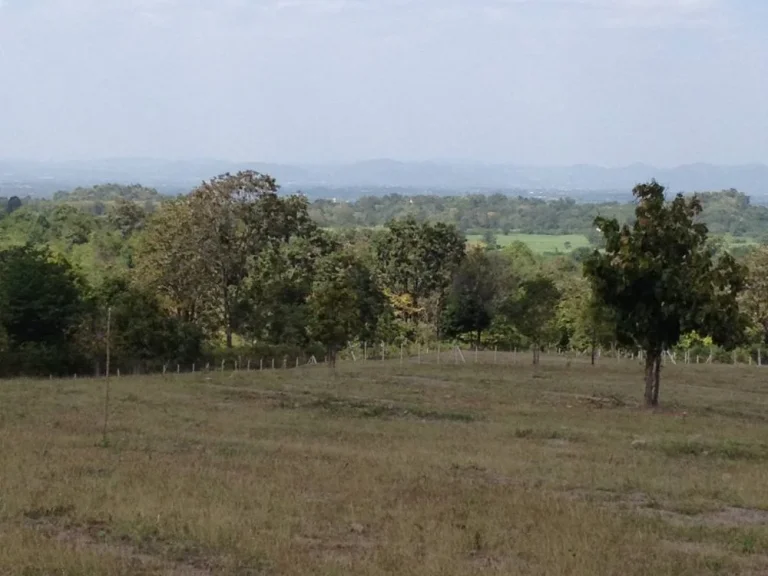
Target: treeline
x=234 y=268
x=727 y=212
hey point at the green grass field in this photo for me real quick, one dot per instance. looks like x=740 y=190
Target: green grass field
x=540 y=243
x=387 y=469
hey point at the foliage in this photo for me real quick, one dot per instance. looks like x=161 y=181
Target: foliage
x=345 y=302
x=109 y=192
x=754 y=300
x=533 y=311
x=661 y=280
x=470 y=303
x=40 y=309
x=141 y=330
x=419 y=259
x=236 y=263
x=13 y=204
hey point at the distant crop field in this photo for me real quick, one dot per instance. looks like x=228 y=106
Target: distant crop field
x=540 y=243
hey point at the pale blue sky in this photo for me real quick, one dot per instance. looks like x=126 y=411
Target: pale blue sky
x=522 y=81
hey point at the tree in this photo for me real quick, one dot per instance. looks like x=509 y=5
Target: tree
x=236 y=218
x=661 y=280
x=127 y=216
x=168 y=262
x=345 y=303
x=141 y=331
x=754 y=299
x=41 y=307
x=211 y=238
x=490 y=241
x=279 y=282
x=419 y=259
x=469 y=306
x=13 y=204
x=533 y=311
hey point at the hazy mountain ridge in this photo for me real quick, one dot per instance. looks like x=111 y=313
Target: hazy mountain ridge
x=43 y=178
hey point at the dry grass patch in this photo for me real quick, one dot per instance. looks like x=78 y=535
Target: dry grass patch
x=382 y=469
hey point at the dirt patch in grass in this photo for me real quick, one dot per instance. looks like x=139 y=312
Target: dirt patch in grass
x=726 y=517
x=695 y=447
x=556 y=436
x=375 y=409
x=142 y=555
x=345 y=406
x=344 y=549
x=729 y=516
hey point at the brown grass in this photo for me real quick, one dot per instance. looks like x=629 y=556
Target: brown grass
x=383 y=469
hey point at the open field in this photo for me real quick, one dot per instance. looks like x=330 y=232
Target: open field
x=540 y=243
x=383 y=469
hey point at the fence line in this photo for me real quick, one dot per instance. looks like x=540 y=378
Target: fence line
x=438 y=353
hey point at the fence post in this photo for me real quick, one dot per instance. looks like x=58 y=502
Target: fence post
x=365 y=351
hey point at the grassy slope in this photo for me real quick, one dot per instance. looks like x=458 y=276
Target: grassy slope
x=388 y=470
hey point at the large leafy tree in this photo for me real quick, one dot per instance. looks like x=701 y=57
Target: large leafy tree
x=279 y=282
x=419 y=260
x=532 y=310
x=661 y=279
x=470 y=303
x=169 y=263
x=236 y=218
x=41 y=307
x=584 y=321
x=211 y=239
x=142 y=331
x=754 y=300
x=345 y=303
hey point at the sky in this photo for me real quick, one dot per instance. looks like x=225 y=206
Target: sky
x=544 y=82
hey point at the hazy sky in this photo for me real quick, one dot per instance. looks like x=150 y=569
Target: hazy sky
x=523 y=81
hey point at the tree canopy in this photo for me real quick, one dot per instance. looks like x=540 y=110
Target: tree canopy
x=661 y=279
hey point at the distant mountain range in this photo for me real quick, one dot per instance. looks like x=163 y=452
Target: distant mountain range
x=43 y=178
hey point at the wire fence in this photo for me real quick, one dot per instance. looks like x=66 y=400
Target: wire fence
x=449 y=354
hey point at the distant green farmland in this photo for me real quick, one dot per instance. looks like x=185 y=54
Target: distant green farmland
x=539 y=243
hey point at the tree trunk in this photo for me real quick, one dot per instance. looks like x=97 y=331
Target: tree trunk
x=657 y=381
x=652 y=377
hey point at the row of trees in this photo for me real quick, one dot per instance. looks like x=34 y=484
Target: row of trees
x=727 y=212
x=235 y=266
